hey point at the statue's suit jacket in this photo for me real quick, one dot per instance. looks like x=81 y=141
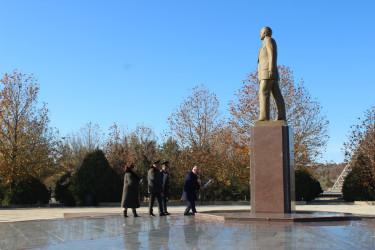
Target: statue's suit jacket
x=267 y=60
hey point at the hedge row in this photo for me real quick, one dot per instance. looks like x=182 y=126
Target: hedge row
x=94 y=182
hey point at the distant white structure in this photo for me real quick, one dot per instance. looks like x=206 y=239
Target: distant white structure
x=337 y=187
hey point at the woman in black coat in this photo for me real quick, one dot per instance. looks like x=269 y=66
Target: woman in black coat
x=130 y=197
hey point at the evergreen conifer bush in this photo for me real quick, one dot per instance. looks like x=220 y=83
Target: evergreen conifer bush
x=358 y=184
x=62 y=191
x=96 y=179
x=27 y=191
x=307 y=187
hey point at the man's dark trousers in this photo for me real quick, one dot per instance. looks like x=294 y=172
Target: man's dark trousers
x=190 y=206
x=164 y=203
x=152 y=200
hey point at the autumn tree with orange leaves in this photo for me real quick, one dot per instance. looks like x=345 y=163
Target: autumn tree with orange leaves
x=304 y=115
x=362 y=137
x=138 y=146
x=117 y=149
x=28 y=145
x=194 y=124
x=179 y=164
x=203 y=138
x=196 y=120
x=360 y=148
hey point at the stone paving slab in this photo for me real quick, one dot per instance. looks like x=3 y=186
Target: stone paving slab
x=182 y=232
x=105 y=228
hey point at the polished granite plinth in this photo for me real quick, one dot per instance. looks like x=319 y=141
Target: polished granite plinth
x=247 y=216
x=183 y=232
x=271 y=169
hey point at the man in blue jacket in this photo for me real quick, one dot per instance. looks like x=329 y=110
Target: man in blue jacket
x=190 y=187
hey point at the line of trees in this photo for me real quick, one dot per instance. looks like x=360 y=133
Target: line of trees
x=198 y=135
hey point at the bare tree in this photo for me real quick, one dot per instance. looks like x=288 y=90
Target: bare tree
x=77 y=145
x=197 y=118
x=195 y=126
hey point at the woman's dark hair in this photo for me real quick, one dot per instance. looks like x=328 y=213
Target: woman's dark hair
x=130 y=167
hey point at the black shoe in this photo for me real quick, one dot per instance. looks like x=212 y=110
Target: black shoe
x=135 y=214
x=162 y=214
x=188 y=214
x=125 y=214
x=152 y=215
x=166 y=213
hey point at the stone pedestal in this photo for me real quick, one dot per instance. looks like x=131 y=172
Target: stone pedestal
x=272 y=169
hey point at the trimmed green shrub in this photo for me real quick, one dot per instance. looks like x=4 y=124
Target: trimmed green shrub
x=307 y=187
x=96 y=181
x=175 y=191
x=2 y=193
x=353 y=188
x=232 y=191
x=62 y=192
x=28 y=191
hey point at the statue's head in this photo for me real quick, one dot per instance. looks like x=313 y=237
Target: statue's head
x=266 y=31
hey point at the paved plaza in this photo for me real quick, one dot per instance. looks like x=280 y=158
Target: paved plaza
x=105 y=228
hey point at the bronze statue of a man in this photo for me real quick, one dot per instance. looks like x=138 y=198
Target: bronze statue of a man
x=269 y=77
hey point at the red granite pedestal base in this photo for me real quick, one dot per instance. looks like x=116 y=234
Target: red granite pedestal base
x=272 y=170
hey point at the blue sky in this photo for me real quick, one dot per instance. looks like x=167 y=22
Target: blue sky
x=133 y=62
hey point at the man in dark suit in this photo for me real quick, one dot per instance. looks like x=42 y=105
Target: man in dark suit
x=269 y=76
x=190 y=186
x=154 y=187
x=165 y=185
